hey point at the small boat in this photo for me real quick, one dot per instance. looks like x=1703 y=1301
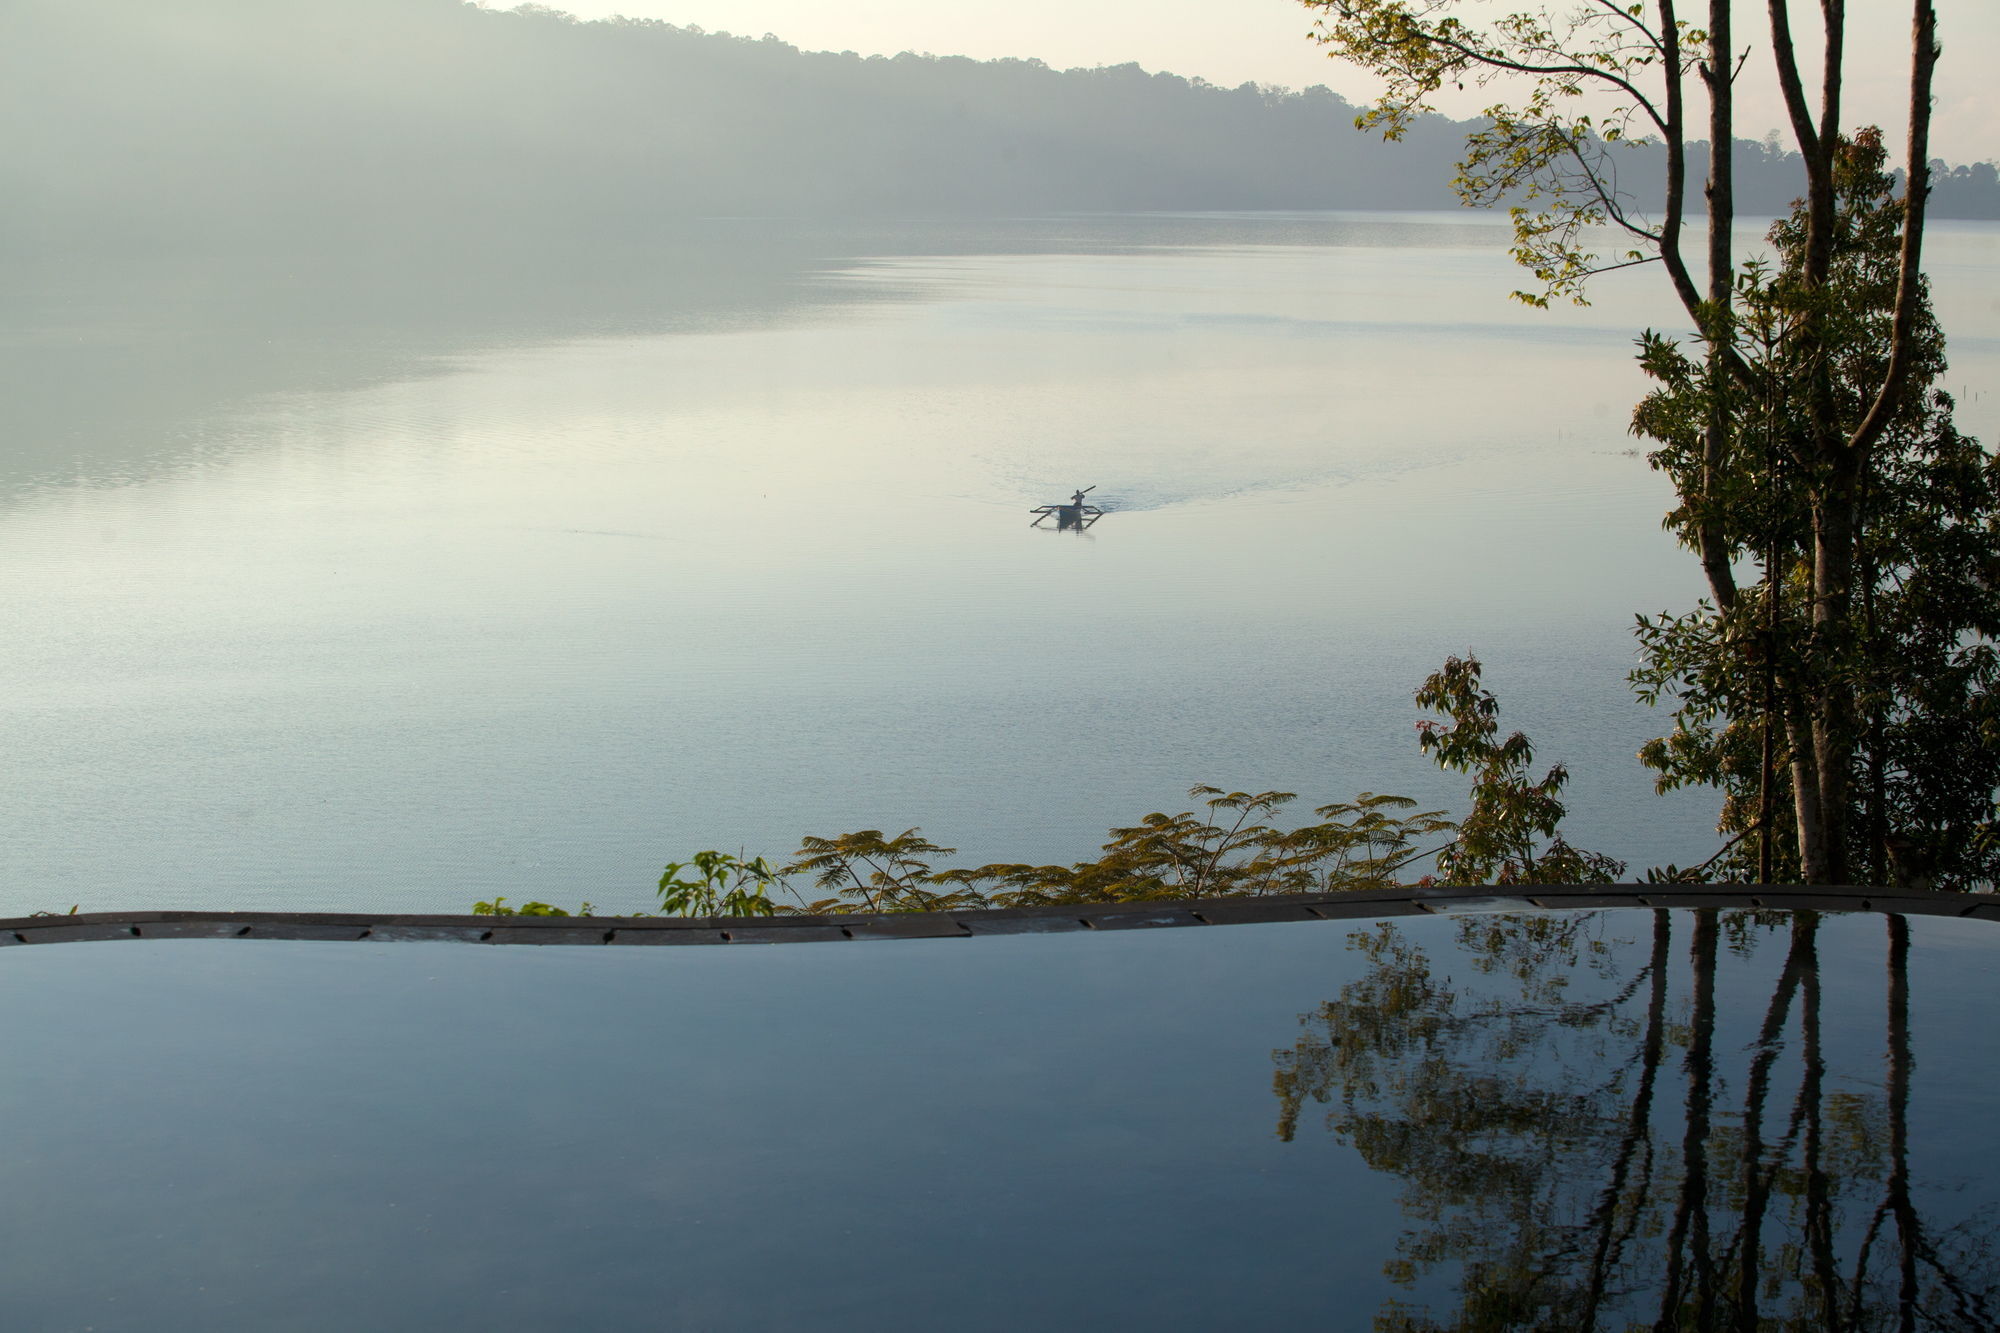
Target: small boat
x=1077 y=514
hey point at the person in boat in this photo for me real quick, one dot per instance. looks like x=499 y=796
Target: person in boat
x=1077 y=499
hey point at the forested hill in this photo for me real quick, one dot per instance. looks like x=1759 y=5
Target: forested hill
x=298 y=123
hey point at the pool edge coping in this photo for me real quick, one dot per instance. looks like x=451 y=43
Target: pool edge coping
x=1063 y=917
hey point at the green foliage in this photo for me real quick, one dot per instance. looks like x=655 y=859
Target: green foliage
x=1230 y=852
x=1501 y=840
x=1553 y=163
x=870 y=873
x=498 y=907
x=1916 y=658
x=724 y=885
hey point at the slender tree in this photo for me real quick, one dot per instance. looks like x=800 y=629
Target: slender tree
x=1913 y=665
x=1592 y=79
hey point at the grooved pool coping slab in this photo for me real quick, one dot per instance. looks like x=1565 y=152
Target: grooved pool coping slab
x=621 y=930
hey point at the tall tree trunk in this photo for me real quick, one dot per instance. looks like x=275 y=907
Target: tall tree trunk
x=1774 y=597
x=1716 y=328
x=1676 y=142
x=1805 y=794
x=1916 y=198
x=1818 y=140
x=1833 y=721
x=1841 y=457
x=1767 y=759
x=1877 y=859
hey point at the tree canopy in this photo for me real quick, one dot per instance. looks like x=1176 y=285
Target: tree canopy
x=1807 y=436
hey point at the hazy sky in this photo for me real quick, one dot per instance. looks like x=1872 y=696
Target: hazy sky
x=1230 y=41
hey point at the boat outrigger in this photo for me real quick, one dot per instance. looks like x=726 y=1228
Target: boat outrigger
x=1076 y=514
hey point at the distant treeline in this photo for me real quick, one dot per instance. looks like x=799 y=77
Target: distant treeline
x=294 y=124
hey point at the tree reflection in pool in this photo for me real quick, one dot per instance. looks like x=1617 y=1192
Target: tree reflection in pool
x=1592 y=1137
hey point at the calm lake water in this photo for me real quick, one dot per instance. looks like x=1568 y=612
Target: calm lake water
x=405 y=589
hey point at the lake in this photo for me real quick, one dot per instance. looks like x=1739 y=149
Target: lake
x=397 y=588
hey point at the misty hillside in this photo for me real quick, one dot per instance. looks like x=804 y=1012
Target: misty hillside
x=301 y=124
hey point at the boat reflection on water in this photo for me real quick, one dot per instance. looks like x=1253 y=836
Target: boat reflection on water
x=1684 y=1131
